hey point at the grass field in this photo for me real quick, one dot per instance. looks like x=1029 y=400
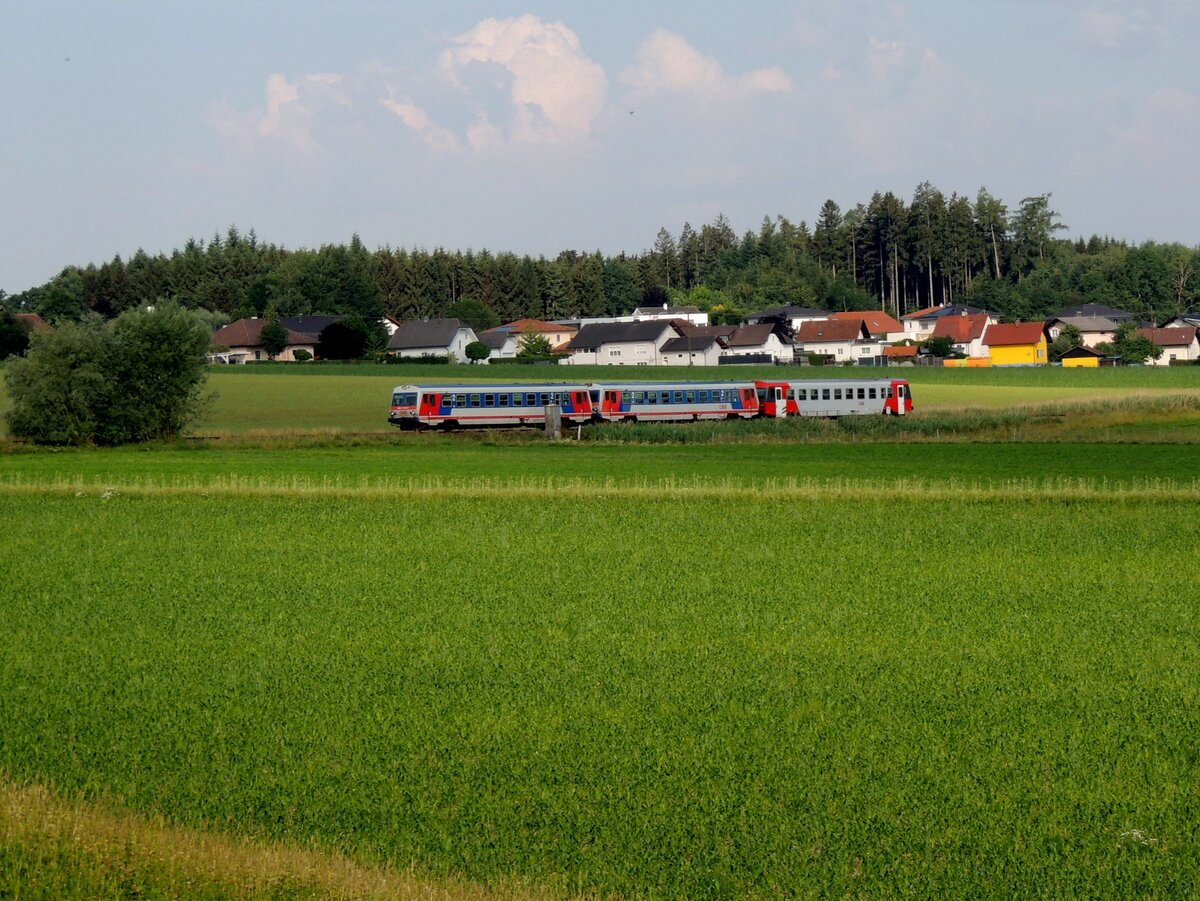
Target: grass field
x=813 y=693
x=950 y=656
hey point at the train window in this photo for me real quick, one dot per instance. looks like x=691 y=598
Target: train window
x=824 y=394
x=595 y=395
x=531 y=400
x=476 y=400
x=801 y=394
x=837 y=393
x=690 y=397
x=704 y=396
x=889 y=392
x=502 y=400
x=543 y=399
x=762 y=395
x=677 y=397
x=639 y=397
x=489 y=400
x=460 y=400
x=862 y=393
x=871 y=393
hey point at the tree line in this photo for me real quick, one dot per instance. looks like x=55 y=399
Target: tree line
x=885 y=254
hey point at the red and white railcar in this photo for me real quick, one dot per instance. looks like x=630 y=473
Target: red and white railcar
x=455 y=406
x=835 y=397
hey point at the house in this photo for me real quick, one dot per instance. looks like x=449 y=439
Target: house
x=621 y=343
x=33 y=322
x=1094 y=329
x=843 y=340
x=758 y=341
x=691 y=350
x=1081 y=358
x=901 y=354
x=691 y=314
x=965 y=332
x=1021 y=344
x=1176 y=343
x=1184 y=320
x=882 y=326
x=557 y=333
x=792 y=315
x=919 y=324
x=431 y=338
x=503 y=345
x=243 y=338
x=1092 y=310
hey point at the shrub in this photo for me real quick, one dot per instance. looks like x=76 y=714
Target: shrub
x=135 y=379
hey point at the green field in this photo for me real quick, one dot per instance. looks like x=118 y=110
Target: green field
x=798 y=659
x=256 y=400
x=733 y=694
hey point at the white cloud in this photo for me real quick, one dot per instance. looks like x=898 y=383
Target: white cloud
x=667 y=62
x=556 y=90
x=418 y=120
x=286 y=118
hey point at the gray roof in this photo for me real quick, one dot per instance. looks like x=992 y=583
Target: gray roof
x=1093 y=309
x=750 y=336
x=495 y=339
x=684 y=345
x=953 y=309
x=308 y=325
x=425 y=333
x=1088 y=323
x=646 y=311
x=789 y=312
x=591 y=337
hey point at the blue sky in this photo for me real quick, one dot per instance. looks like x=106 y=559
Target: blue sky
x=536 y=127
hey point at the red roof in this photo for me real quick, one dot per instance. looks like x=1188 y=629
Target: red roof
x=925 y=311
x=901 y=350
x=34 y=322
x=527 y=326
x=961 y=329
x=1169 y=337
x=830 y=330
x=878 y=322
x=1012 y=334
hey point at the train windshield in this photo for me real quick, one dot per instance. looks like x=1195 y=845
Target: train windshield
x=404 y=399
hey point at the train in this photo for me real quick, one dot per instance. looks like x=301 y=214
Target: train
x=514 y=405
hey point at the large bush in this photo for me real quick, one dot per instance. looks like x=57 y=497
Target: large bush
x=138 y=378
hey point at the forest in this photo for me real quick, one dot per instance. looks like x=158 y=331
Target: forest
x=886 y=254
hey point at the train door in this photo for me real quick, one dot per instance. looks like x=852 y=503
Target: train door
x=779 y=398
x=901 y=392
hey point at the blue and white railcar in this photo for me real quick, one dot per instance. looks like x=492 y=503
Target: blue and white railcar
x=673 y=401
x=455 y=406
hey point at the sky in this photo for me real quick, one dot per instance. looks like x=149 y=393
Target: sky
x=535 y=127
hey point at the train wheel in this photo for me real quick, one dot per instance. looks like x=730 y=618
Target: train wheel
x=450 y=425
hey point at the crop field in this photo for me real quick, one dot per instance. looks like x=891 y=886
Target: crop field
x=660 y=690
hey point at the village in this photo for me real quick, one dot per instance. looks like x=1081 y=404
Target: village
x=683 y=336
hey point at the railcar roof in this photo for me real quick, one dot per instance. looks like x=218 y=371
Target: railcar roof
x=493 y=386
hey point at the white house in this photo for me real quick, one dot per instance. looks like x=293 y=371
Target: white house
x=621 y=343
x=432 y=337
x=693 y=315
x=844 y=340
x=965 y=333
x=755 y=340
x=1095 y=329
x=1176 y=344
x=690 y=350
x=794 y=316
x=919 y=324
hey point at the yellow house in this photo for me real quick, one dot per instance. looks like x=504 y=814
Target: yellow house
x=1022 y=344
x=1084 y=357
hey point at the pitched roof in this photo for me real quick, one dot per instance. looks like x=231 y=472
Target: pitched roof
x=308 y=325
x=1169 y=337
x=527 y=326
x=1011 y=334
x=878 y=322
x=832 y=330
x=592 y=336
x=1093 y=309
x=248 y=333
x=953 y=309
x=688 y=343
x=707 y=331
x=750 y=336
x=425 y=333
x=901 y=350
x=34 y=322
x=961 y=329
x=1086 y=323
x=1076 y=353
x=495 y=339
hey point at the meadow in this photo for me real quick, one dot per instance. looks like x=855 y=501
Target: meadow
x=657 y=691
x=304 y=655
